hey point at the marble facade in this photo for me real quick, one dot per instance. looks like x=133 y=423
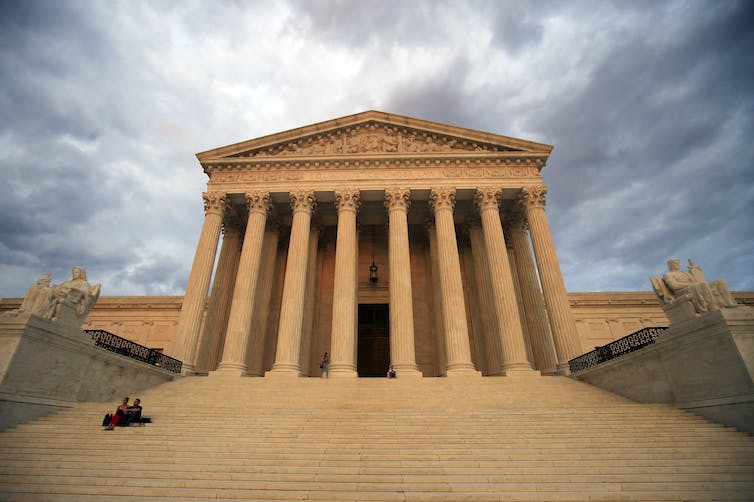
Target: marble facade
x=428 y=188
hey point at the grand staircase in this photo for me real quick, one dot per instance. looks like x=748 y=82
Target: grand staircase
x=453 y=439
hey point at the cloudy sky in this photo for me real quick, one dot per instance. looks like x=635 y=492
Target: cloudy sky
x=649 y=105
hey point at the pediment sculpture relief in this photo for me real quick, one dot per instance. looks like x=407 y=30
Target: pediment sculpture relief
x=687 y=294
x=67 y=303
x=373 y=137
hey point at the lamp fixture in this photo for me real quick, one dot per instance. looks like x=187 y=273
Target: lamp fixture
x=373 y=267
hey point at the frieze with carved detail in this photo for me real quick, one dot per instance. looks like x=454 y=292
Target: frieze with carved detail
x=374 y=137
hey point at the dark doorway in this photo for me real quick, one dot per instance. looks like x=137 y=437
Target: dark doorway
x=374 y=340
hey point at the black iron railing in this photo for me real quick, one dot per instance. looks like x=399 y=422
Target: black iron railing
x=624 y=345
x=127 y=348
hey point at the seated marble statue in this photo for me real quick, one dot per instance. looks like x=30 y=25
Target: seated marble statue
x=66 y=303
x=38 y=299
x=73 y=299
x=678 y=288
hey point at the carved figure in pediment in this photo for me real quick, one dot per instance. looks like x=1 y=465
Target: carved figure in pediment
x=372 y=138
x=688 y=294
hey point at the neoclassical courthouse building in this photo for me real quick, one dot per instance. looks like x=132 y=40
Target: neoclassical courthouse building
x=383 y=240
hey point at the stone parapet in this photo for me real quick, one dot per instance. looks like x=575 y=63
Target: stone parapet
x=704 y=365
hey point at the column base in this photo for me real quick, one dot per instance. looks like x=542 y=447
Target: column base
x=188 y=370
x=408 y=372
x=227 y=372
x=282 y=373
x=563 y=369
x=463 y=372
x=525 y=372
x=343 y=373
x=231 y=368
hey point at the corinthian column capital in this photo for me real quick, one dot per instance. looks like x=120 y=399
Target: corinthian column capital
x=303 y=200
x=442 y=198
x=347 y=199
x=258 y=202
x=214 y=202
x=533 y=196
x=487 y=198
x=397 y=198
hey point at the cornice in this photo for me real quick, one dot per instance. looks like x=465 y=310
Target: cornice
x=383 y=161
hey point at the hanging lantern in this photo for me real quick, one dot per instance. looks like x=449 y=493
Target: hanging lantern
x=373 y=268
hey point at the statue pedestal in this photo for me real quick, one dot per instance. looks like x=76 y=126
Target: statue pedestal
x=704 y=365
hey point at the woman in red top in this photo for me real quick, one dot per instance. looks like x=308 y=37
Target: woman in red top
x=120 y=412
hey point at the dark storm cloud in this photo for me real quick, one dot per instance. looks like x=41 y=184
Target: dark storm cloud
x=653 y=122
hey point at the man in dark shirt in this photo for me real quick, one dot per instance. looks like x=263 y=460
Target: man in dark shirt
x=133 y=415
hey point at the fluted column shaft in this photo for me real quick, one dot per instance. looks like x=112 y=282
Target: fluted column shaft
x=458 y=350
x=242 y=306
x=553 y=288
x=535 y=315
x=484 y=292
x=307 y=331
x=437 y=301
x=294 y=285
x=343 y=338
x=259 y=321
x=503 y=291
x=402 y=348
x=189 y=322
x=212 y=339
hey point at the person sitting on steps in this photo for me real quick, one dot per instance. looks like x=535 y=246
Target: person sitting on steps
x=133 y=413
x=119 y=415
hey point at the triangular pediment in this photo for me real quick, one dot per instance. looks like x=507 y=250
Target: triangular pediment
x=373 y=133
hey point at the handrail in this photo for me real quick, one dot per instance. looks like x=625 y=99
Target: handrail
x=617 y=348
x=119 y=345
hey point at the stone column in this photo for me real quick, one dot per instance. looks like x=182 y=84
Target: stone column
x=309 y=304
x=517 y=287
x=213 y=335
x=242 y=306
x=535 y=314
x=436 y=296
x=553 y=288
x=190 y=320
x=259 y=321
x=294 y=285
x=343 y=338
x=503 y=292
x=442 y=201
x=484 y=293
x=402 y=348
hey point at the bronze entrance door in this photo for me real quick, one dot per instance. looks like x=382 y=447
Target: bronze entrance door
x=374 y=340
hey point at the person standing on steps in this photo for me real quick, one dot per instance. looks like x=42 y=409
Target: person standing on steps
x=391 y=372
x=325 y=366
